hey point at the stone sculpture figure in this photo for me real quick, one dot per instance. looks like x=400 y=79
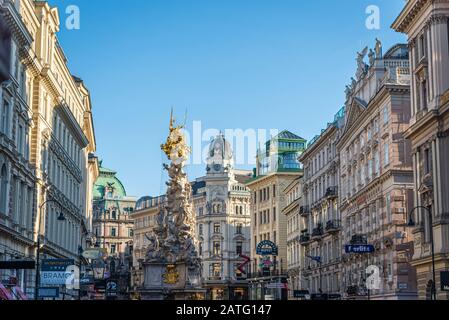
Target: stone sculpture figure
x=361 y=65
x=153 y=249
x=372 y=57
x=378 y=49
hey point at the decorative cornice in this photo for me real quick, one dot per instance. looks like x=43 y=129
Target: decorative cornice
x=66 y=160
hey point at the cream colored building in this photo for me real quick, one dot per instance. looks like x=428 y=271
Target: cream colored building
x=294 y=250
x=425 y=22
x=277 y=167
x=222 y=206
x=112 y=223
x=376 y=177
x=49 y=112
x=320 y=216
x=144 y=219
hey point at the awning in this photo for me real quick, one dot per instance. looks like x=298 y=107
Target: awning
x=4 y=293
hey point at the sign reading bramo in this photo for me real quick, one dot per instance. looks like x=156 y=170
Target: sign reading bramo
x=56 y=271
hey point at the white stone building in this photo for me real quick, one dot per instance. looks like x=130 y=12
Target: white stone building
x=221 y=202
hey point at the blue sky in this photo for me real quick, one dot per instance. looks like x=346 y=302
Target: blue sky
x=232 y=64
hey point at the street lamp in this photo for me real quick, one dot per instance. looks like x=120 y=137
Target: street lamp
x=319 y=261
x=60 y=218
x=411 y=223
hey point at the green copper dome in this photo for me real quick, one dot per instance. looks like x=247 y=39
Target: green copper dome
x=108 y=185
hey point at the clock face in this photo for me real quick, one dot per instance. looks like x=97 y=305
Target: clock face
x=217 y=167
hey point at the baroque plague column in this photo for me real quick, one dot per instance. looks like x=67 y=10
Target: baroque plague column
x=172 y=268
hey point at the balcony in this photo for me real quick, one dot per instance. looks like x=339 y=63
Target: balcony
x=304 y=210
x=317 y=232
x=304 y=239
x=332 y=192
x=359 y=239
x=333 y=226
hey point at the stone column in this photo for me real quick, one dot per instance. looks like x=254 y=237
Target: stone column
x=439 y=61
x=435 y=177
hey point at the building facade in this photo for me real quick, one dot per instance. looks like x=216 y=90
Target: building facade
x=144 y=220
x=294 y=249
x=320 y=215
x=113 y=226
x=47 y=143
x=277 y=167
x=425 y=22
x=222 y=206
x=376 y=177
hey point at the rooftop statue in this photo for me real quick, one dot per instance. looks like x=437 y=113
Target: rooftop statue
x=361 y=65
x=378 y=49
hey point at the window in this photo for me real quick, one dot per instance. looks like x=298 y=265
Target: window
x=385 y=115
x=130 y=232
x=239 y=228
x=200 y=249
x=4 y=118
x=113 y=232
x=274 y=236
x=274 y=191
x=216 y=248
x=200 y=229
x=3 y=189
x=113 y=248
x=114 y=214
x=239 y=247
x=386 y=154
x=217 y=228
x=376 y=163
x=274 y=214
x=215 y=270
x=200 y=211
x=388 y=207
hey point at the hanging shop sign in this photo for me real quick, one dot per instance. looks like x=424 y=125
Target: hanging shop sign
x=444 y=280
x=267 y=248
x=361 y=248
x=56 y=271
x=94 y=254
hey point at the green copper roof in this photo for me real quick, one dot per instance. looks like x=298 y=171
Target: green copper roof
x=288 y=135
x=108 y=179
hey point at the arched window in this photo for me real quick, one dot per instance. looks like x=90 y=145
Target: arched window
x=3 y=188
x=241 y=210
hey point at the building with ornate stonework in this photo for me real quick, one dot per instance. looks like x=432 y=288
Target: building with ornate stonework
x=222 y=206
x=376 y=177
x=277 y=167
x=426 y=22
x=320 y=215
x=113 y=225
x=46 y=160
x=294 y=250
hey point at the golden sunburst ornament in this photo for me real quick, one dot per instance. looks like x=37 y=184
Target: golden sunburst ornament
x=171 y=275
